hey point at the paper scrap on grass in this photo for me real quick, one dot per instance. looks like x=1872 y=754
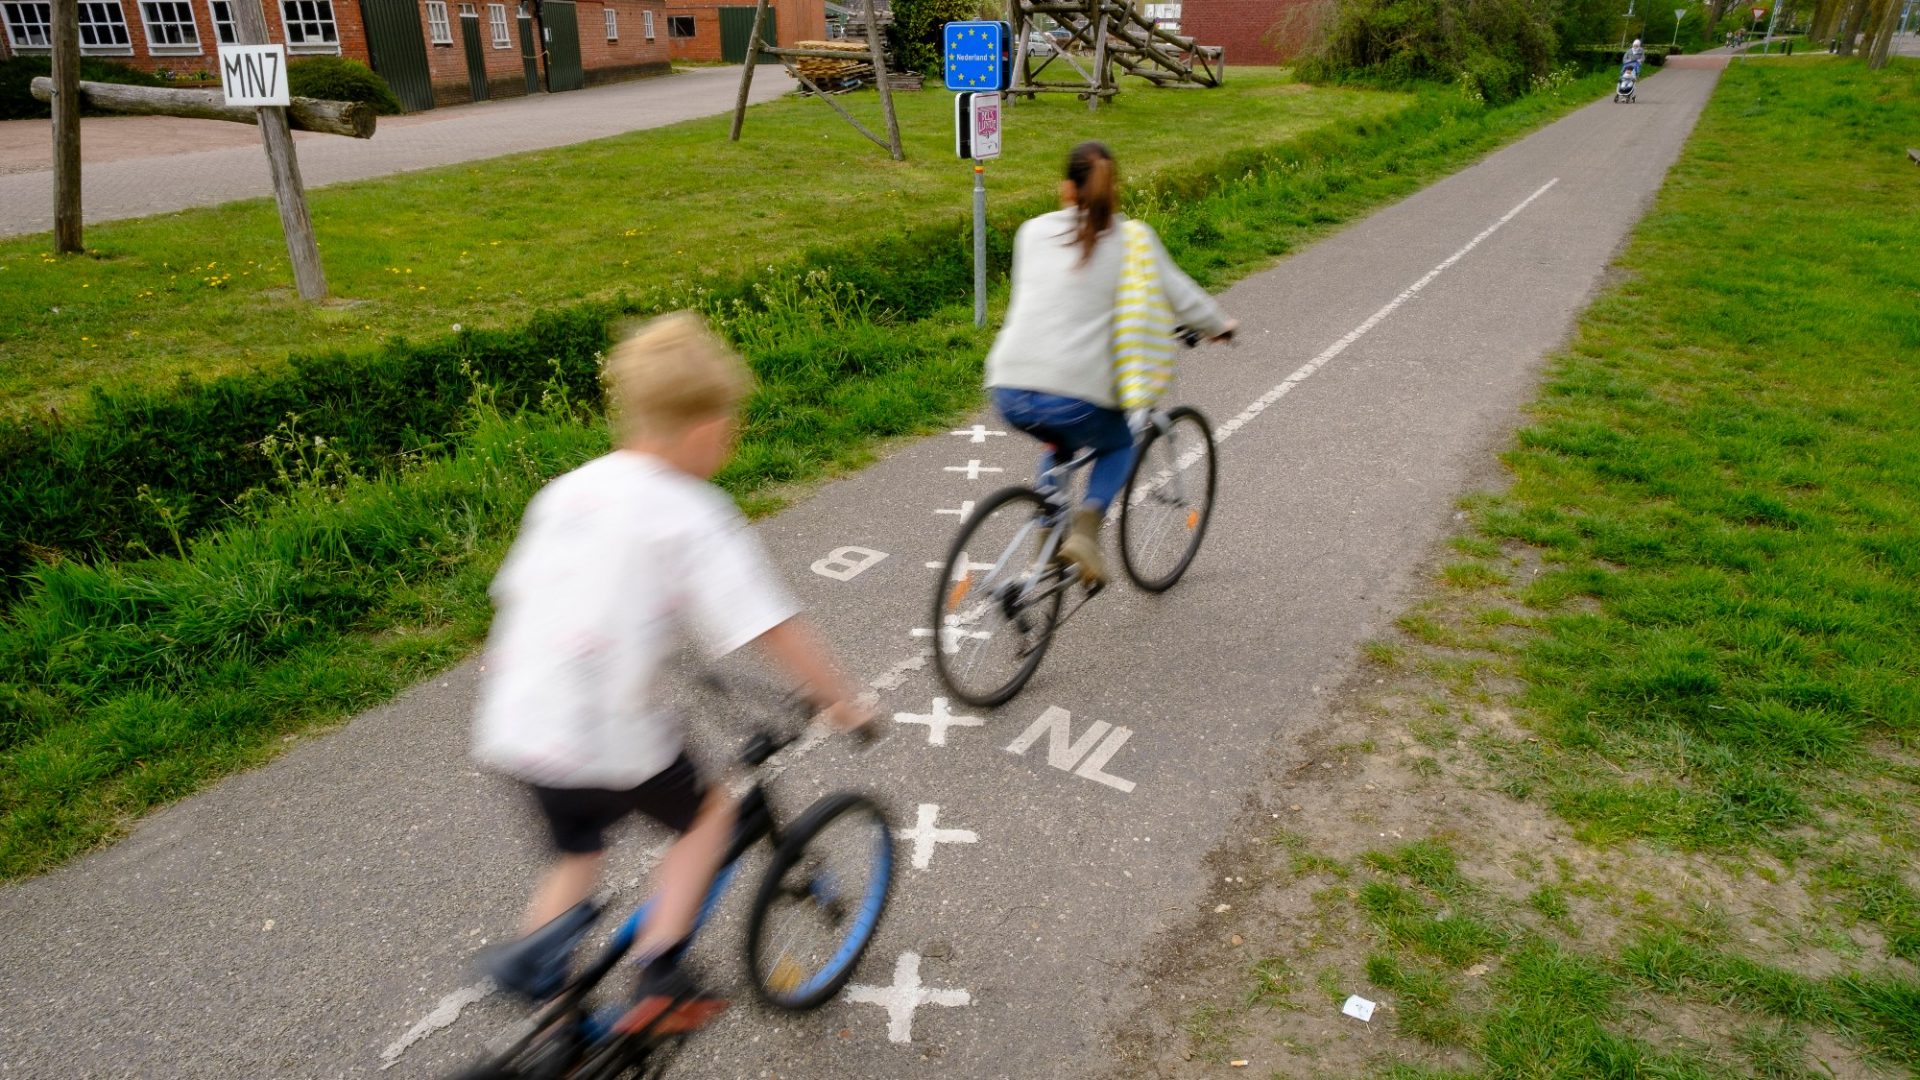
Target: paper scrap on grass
x=1359 y=1008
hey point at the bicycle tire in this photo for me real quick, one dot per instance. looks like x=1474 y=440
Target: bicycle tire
x=811 y=991
x=1134 y=533
x=1038 y=638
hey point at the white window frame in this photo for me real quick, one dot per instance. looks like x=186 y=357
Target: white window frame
x=32 y=34
x=692 y=23
x=646 y=24
x=292 y=15
x=189 y=47
x=497 y=22
x=612 y=19
x=439 y=27
x=91 y=20
x=225 y=30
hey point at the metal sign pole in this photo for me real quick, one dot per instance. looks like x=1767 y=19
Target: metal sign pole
x=979 y=244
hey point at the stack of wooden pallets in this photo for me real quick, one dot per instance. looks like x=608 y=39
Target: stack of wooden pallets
x=825 y=72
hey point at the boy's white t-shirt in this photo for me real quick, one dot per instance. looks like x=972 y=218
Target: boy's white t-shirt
x=610 y=557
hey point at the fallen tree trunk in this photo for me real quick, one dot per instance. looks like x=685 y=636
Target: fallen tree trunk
x=351 y=118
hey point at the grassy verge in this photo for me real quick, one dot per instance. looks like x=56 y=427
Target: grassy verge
x=127 y=683
x=1635 y=792
x=489 y=243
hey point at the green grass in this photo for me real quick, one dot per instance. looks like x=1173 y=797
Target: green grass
x=1721 y=473
x=1714 y=530
x=489 y=243
x=125 y=684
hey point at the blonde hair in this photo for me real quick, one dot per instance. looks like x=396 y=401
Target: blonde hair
x=671 y=373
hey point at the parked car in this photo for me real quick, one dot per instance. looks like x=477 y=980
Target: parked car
x=1062 y=39
x=1039 y=44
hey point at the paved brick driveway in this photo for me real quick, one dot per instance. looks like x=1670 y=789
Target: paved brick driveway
x=134 y=166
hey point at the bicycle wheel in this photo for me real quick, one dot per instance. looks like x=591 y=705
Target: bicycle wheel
x=820 y=902
x=993 y=620
x=1168 y=501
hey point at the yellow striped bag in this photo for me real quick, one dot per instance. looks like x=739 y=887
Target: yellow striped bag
x=1143 y=345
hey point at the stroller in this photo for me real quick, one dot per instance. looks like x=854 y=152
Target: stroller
x=1629 y=75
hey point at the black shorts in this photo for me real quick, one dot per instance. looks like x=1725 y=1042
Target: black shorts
x=576 y=817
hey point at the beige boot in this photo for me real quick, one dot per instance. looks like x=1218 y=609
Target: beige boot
x=1082 y=549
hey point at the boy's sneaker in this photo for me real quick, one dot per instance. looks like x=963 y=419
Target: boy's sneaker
x=668 y=1002
x=536 y=966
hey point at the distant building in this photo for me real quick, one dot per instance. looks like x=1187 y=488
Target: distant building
x=432 y=52
x=712 y=30
x=1255 y=32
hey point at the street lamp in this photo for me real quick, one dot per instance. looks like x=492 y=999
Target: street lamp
x=1626 y=24
x=1678 y=14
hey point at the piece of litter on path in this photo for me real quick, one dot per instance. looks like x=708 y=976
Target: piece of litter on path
x=1359 y=1008
x=1238 y=1063
x=1223 y=909
x=1476 y=971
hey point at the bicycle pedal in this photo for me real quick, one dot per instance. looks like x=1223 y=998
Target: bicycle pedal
x=1094 y=587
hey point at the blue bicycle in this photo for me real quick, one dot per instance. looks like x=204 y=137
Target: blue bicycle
x=816 y=910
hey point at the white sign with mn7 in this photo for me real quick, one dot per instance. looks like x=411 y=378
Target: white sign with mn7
x=254 y=75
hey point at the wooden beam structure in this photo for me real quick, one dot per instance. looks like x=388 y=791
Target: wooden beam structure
x=1117 y=35
x=758 y=46
x=354 y=119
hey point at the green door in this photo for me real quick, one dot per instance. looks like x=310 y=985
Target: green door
x=398 y=50
x=736 y=31
x=529 y=53
x=476 y=60
x=561 y=29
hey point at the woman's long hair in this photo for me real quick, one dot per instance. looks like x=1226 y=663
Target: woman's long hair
x=1090 y=168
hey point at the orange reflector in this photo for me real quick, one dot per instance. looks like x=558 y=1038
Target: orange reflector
x=959 y=592
x=1193 y=519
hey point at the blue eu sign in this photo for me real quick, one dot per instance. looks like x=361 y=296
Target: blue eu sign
x=977 y=55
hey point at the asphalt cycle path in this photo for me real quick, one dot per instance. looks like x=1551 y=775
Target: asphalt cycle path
x=178 y=177
x=318 y=916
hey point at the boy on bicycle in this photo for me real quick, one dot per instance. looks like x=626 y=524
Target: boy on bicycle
x=611 y=559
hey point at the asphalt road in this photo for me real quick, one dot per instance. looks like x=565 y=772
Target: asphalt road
x=317 y=917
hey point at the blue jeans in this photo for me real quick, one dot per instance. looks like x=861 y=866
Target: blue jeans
x=1068 y=425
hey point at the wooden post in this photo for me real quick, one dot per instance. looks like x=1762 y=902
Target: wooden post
x=877 y=50
x=66 y=126
x=1102 y=75
x=746 y=76
x=250 y=23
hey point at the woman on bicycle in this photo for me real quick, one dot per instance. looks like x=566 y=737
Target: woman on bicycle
x=1051 y=369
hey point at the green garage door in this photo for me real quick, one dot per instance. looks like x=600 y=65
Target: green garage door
x=398 y=50
x=562 y=28
x=736 y=30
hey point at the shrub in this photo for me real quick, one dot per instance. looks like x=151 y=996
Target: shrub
x=1491 y=48
x=335 y=79
x=17 y=75
x=916 y=30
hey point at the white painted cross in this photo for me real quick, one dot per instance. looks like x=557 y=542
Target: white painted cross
x=978 y=433
x=973 y=469
x=1081 y=756
x=925 y=836
x=963 y=567
x=904 y=996
x=937 y=721
x=951 y=635
x=966 y=507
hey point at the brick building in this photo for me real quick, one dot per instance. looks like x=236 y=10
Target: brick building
x=713 y=30
x=1254 y=32
x=432 y=52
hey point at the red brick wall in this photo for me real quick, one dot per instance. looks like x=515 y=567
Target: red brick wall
x=705 y=44
x=794 y=20
x=447 y=63
x=346 y=16
x=630 y=56
x=1253 y=31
